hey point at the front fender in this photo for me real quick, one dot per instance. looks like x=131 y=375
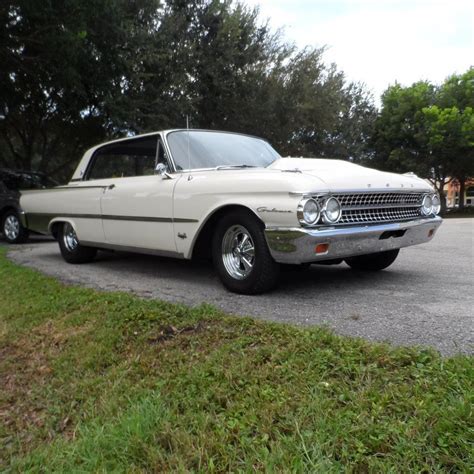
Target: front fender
x=270 y=214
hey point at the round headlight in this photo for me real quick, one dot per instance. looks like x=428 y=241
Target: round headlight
x=331 y=210
x=308 y=212
x=436 y=204
x=427 y=205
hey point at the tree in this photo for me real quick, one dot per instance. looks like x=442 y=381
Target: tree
x=457 y=92
x=396 y=137
x=74 y=73
x=208 y=61
x=217 y=64
x=450 y=139
x=349 y=139
x=427 y=129
x=63 y=65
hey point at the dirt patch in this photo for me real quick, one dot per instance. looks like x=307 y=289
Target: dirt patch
x=165 y=333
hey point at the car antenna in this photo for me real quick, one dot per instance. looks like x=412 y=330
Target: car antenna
x=189 y=155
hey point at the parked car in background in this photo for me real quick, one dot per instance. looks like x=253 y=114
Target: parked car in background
x=182 y=193
x=11 y=184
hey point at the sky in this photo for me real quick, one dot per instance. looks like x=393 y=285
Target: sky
x=378 y=42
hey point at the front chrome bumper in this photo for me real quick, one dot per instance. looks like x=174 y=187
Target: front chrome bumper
x=298 y=245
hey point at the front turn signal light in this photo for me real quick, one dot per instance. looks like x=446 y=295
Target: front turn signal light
x=321 y=249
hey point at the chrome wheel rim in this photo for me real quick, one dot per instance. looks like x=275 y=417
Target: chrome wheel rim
x=11 y=228
x=238 y=252
x=70 y=238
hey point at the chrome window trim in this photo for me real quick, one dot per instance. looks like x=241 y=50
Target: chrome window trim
x=213 y=168
x=159 y=136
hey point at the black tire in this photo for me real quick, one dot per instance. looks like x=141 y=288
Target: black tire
x=12 y=228
x=73 y=253
x=373 y=262
x=263 y=274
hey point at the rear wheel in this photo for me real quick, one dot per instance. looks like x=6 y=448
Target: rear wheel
x=373 y=262
x=71 y=250
x=12 y=229
x=241 y=256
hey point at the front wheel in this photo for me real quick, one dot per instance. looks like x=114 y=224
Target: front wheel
x=12 y=229
x=373 y=262
x=71 y=250
x=241 y=256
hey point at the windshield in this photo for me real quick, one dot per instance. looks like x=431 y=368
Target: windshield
x=218 y=149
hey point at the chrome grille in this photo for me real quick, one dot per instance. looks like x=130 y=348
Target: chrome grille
x=379 y=215
x=371 y=199
x=367 y=207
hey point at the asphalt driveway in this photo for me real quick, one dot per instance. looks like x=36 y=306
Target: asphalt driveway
x=425 y=298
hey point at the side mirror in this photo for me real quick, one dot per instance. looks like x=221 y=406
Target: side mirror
x=162 y=171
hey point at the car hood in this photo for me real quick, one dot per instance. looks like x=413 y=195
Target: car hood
x=340 y=175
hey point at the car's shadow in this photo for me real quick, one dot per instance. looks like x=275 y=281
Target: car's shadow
x=32 y=239
x=201 y=273
x=147 y=274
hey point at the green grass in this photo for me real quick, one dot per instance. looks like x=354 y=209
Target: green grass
x=106 y=382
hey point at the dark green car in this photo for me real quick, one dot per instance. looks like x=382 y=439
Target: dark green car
x=11 y=184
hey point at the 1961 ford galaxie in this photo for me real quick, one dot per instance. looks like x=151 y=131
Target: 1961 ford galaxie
x=183 y=193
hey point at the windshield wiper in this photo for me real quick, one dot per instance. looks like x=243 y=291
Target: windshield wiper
x=229 y=167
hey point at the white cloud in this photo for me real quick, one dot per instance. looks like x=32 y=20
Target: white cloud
x=380 y=42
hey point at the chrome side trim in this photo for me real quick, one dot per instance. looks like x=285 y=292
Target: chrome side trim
x=73 y=185
x=297 y=245
x=126 y=248
x=111 y=217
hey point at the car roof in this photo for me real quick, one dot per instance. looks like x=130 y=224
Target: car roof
x=168 y=131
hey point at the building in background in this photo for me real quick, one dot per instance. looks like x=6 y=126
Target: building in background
x=452 y=193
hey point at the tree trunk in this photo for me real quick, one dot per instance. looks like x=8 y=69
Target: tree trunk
x=439 y=186
x=462 y=191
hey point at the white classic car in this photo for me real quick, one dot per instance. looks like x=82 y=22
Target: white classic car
x=232 y=197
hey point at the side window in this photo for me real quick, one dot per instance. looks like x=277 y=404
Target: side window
x=135 y=157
